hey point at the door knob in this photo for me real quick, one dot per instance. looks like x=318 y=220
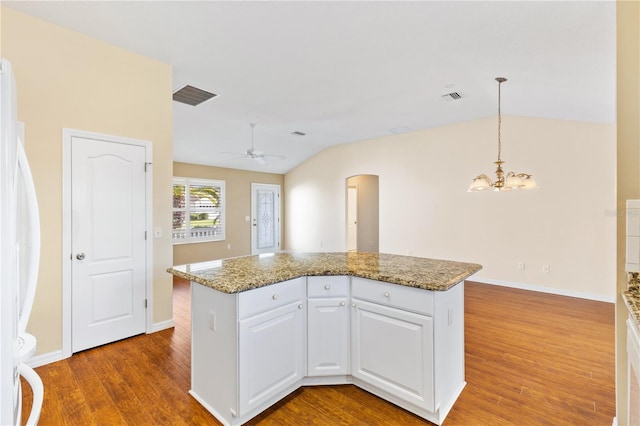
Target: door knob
x=80 y=256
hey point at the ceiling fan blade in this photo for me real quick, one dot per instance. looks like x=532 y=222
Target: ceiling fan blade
x=260 y=159
x=282 y=157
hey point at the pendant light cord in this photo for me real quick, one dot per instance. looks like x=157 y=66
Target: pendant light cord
x=499 y=120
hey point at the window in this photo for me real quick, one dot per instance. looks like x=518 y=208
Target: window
x=198 y=210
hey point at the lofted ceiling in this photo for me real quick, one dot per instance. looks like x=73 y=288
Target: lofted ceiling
x=342 y=72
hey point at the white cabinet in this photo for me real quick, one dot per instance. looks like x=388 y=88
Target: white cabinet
x=271 y=354
x=392 y=348
x=632 y=262
x=407 y=345
x=327 y=326
x=248 y=350
x=251 y=349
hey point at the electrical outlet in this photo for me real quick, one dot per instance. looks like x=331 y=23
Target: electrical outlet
x=546 y=269
x=521 y=266
x=228 y=246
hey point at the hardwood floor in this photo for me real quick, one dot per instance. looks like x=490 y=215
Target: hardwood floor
x=531 y=359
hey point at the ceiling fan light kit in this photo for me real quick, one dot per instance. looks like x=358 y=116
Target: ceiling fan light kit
x=254 y=154
x=503 y=182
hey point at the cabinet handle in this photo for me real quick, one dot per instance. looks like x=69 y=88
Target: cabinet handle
x=327 y=287
x=341 y=303
x=353 y=305
x=274 y=297
x=386 y=294
x=300 y=306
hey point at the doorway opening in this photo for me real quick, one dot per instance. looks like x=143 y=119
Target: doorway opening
x=362 y=215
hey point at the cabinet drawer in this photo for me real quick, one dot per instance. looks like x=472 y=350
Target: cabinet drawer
x=272 y=296
x=328 y=286
x=395 y=295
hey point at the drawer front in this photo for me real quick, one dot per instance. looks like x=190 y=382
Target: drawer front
x=272 y=296
x=337 y=286
x=394 y=295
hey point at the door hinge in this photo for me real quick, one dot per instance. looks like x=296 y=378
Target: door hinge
x=145 y=166
x=145 y=235
x=145 y=303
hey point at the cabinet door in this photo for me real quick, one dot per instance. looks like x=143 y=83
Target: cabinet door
x=327 y=337
x=272 y=354
x=393 y=351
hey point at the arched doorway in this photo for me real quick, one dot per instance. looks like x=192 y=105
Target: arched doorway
x=362 y=203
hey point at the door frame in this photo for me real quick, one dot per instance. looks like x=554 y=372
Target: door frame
x=254 y=186
x=349 y=188
x=67 y=135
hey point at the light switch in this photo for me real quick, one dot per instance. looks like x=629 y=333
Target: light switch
x=247 y=218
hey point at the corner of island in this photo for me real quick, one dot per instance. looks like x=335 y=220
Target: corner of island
x=264 y=325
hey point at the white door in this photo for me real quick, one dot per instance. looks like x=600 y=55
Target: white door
x=265 y=220
x=393 y=350
x=352 y=218
x=328 y=337
x=108 y=241
x=271 y=354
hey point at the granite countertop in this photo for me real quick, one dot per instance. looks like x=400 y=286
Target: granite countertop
x=239 y=274
x=631 y=298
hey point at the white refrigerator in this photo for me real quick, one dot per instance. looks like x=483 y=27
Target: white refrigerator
x=19 y=259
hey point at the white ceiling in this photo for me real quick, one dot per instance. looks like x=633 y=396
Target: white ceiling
x=348 y=71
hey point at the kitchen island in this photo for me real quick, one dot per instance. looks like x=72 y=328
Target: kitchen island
x=262 y=326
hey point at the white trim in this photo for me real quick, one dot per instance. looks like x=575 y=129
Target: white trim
x=67 y=135
x=541 y=289
x=162 y=325
x=47 y=358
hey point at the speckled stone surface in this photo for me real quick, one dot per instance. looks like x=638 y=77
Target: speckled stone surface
x=239 y=274
x=631 y=296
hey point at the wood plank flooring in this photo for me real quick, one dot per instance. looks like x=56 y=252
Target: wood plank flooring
x=531 y=359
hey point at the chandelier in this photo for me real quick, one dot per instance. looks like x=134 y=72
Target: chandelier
x=511 y=180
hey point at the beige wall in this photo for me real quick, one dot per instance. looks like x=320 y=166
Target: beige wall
x=425 y=209
x=68 y=80
x=238 y=198
x=628 y=181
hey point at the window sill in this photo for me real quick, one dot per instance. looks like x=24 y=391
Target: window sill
x=185 y=241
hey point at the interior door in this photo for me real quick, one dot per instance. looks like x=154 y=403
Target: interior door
x=108 y=241
x=352 y=218
x=265 y=220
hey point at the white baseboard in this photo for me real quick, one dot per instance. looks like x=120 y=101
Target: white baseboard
x=542 y=289
x=44 y=359
x=162 y=325
x=615 y=422
x=55 y=356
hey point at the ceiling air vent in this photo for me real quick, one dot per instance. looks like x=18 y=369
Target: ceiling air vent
x=192 y=95
x=297 y=133
x=452 y=95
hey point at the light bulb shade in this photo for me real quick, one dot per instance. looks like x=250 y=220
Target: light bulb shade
x=529 y=183
x=480 y=183
x=513 y=181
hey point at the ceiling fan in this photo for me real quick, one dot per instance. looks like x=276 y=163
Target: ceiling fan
x=252 y=153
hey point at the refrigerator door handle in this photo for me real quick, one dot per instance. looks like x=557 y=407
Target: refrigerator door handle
x=38 y=392
x=34 y=238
